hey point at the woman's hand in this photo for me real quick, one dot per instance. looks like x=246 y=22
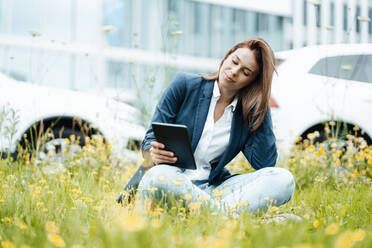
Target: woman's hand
x=158 y=155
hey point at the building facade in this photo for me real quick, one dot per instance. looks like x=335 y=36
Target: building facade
x=137 y=45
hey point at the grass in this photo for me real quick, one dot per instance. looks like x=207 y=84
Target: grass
x=71 y=203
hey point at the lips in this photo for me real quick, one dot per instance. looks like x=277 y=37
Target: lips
x=228 y=78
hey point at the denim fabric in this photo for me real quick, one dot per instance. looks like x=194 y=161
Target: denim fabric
x=251 y=192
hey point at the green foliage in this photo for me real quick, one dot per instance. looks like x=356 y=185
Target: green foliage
x=71 y=203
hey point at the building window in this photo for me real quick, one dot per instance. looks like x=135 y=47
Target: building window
x=370 y=22
x=318 y=11
x=305 y=12
x=262 y=23
x=357 y=23
x=345 y=14
x=332 y=14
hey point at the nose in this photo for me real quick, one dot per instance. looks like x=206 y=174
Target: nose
x=234 y=70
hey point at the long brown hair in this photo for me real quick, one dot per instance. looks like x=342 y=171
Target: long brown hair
x=255 y=97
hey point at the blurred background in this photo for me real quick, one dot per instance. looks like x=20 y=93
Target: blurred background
x=122 y=46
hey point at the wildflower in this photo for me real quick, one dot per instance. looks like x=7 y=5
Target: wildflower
x=316 y=223
x=332 y=229
x=292 y=160
x=178 y=32
x=346 y=67
x=34 y=33
x=1 y=201
x=56 y=240
x=272 y=209
x=316 y=3
x=364 y=19
x=7 y=244
x=307 y=216
x=51 y=227
x=176 y=182
x=194 y=205
x=188 y=197
x=132 y=222
x=359 y=235
x=313 y=163
x=338 y=162
x=39 y=204
x=202 y=197
x=349 y=238
x=45 y=210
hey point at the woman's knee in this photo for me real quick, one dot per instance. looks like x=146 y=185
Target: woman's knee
x=157 y=175
x=285 y=182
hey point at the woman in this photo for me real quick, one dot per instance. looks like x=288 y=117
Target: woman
x=225 y=112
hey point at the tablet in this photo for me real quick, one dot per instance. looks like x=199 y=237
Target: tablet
x=175 y=139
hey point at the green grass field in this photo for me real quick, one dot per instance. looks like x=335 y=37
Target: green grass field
x=71 y=203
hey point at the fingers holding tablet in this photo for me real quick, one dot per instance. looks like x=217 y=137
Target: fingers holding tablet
x=158 y=155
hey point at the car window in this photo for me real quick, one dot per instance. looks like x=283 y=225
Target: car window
x=349 y=67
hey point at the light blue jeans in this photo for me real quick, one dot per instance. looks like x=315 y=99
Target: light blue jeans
x=252 y=192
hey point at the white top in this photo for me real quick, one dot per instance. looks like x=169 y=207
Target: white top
x=214 y=139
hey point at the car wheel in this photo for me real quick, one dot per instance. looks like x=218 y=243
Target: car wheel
x=64 y=142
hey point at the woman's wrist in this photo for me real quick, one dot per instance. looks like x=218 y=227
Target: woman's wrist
x=147 y=163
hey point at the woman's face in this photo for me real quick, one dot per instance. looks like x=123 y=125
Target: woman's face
x=238 y=70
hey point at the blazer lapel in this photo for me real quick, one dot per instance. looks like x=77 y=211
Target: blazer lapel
x=202 y=112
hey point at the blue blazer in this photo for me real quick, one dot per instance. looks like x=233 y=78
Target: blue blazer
x=186 y=101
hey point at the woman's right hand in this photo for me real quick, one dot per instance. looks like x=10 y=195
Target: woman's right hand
x=158 y=155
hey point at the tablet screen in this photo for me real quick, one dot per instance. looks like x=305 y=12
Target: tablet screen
x=176 y=139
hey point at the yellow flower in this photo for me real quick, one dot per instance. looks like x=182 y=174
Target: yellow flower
x=39 y=204
x=7 y=244
x=338 y=162
x=358 y=235
x=188 y=197
x=132 y=222
x=56 y=240
x=364 y=19
x=332 y=229
x=194 y=205
x=45 y=210
x=51 y=227
x=316 y=223
x=307 y=216
x=349 y=238
x=176 y=182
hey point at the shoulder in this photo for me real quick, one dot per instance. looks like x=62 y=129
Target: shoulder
x=187 y=81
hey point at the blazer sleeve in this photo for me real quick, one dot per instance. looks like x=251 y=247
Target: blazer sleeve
x=167 y=108
x=260 y=148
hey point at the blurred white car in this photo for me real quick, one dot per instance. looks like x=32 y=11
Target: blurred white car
x=318 y=84
x=24 y=105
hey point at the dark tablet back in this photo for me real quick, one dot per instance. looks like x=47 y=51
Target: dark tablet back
x=176 y=139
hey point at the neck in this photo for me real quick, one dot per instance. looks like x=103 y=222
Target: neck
x=226 y=95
